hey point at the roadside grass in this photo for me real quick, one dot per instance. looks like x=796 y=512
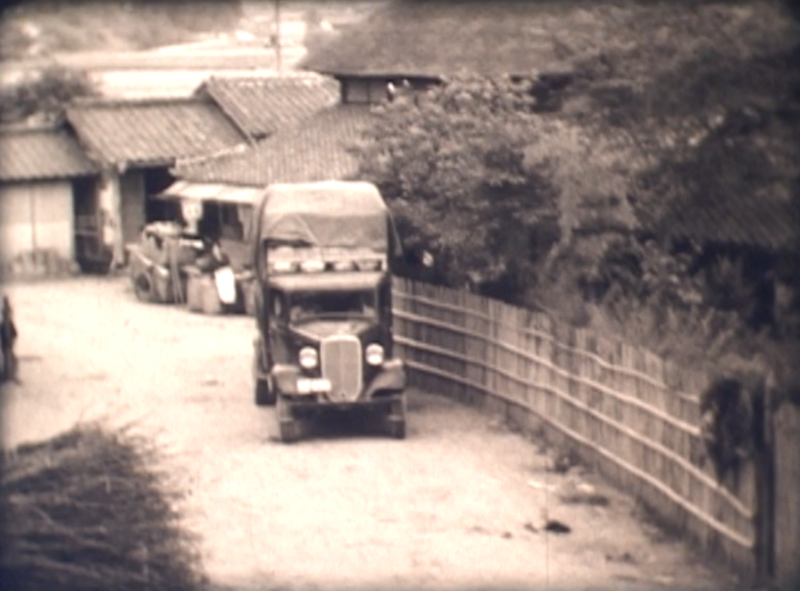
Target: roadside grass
x=87 y=511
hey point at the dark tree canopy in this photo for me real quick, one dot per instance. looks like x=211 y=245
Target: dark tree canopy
x=688 y=107
x=44 y=94
x=451 y=162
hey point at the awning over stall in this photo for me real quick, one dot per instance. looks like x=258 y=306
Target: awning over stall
x=221 y=192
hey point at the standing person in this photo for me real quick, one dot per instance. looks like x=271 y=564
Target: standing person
x=8 y=334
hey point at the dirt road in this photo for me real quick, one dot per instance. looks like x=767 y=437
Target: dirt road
x=460 y=503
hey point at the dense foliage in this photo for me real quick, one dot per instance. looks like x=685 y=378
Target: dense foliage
x=87 y=511
x=452 y=165
x=691 y=104
x=44 y=94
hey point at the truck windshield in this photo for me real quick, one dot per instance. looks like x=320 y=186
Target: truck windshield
x=334 y=303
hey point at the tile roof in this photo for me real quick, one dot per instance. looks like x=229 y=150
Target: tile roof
x=441 y=38
x=153 y=132
x=438 y=38
x=313 y=150
x=262 y=106
x=38 y=154
x=742 y=189
x=768 y=222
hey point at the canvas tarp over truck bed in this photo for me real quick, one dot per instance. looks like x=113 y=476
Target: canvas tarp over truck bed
x=334 y=214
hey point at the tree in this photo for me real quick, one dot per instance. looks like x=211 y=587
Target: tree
x=684 y=101
x=451 y=164
x=45 y=94
x=701 y=100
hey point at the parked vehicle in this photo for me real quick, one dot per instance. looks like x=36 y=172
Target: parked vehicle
x=156 y=263
x=323 y=254
x=170 y=265
x=222 y=221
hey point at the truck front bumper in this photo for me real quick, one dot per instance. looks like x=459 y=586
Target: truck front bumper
x=290 y=382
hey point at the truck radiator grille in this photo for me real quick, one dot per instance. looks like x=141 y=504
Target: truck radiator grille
x=341 y=364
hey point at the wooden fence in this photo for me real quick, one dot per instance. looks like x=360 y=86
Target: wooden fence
x=786 y=513
x=622 y=409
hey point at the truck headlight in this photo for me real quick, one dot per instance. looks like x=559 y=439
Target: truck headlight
x=308 y=358
x=283 y=267
x=374 y=354
x=312 y=266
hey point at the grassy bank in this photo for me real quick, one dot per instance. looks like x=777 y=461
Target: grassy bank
x=86 y=510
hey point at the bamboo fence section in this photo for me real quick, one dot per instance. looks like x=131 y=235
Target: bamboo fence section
x=787 y=496
x=626 y=411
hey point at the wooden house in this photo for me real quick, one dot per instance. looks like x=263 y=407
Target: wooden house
x=47 y=183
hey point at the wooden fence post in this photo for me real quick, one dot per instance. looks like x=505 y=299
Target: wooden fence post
x=787 y=501
x=764 y=463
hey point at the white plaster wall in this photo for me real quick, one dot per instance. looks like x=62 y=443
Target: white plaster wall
x=36 y=215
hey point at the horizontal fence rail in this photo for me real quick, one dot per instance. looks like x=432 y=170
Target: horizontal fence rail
x=627 y=411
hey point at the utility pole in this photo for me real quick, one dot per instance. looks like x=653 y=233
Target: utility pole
x=277 y=37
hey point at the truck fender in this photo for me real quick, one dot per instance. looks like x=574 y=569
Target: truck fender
x=392 y=378
x=284 y=377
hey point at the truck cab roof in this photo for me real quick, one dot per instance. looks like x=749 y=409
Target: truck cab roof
x=345 y=214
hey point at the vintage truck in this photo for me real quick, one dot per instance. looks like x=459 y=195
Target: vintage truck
x=322 y=257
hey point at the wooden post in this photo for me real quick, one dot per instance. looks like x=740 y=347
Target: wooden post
x=111 y=207
x=786 y=423
x=764 y=464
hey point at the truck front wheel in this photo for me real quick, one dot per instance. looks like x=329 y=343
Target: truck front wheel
x=265 y=396
x=265 y=393
x=288 y=426
x=397 y=417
